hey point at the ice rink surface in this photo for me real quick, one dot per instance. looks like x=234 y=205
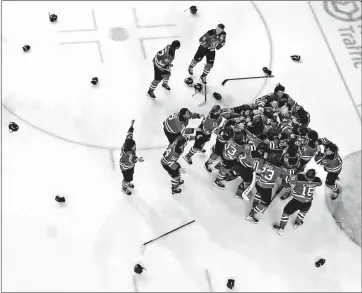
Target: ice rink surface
x=71 y=133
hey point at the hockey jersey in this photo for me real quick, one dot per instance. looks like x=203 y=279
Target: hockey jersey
x=128 y=158
x=306 y=152
x=250 y=158
x=173 y=124
x=269 y=174
x=208 y=124
x=332 y=164
x=210 y=40
x=164 y=58
x=302 y=188
x=170 y=156
x=232 y=150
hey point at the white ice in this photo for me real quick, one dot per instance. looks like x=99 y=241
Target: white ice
x=92 y=242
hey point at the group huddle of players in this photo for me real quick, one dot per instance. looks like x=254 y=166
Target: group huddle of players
x=257 y=143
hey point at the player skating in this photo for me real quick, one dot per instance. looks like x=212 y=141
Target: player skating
x=270 y=172
x=176 y=124
x=211 y=40
x=162 y=64
x=170 y=164
x=303 y=187
x=204 y=131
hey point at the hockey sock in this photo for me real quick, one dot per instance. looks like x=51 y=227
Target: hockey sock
x=125 y=184
x=257 y=199
x=207 y=69
x=192 y=151
x=193 y=63
x=300 y=217
x=165 y=80
x=153 y=85
x=284 y=220
x=175 y=181
x=221 y=176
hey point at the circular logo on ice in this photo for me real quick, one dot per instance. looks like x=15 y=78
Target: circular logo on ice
x=343 y=10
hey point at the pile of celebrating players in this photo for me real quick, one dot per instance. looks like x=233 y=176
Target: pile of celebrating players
x=261 y=145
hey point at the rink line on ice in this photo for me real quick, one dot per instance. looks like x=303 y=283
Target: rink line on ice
x=74 y=141
x=271 y=59
x=335 y=61
x=98 y=43
x=94 y=28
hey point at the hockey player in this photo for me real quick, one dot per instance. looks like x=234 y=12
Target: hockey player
x=332 y=163
x=291 y=162
x=308 y=149
x=247 y=164
x=162 y=67
x=211 y=40
x=170 y=164
x=303 y=187
x=224 y=135
x=176 y=124
x=233 y=148
x=204 y=131
x=128 y=160
x=270 y=172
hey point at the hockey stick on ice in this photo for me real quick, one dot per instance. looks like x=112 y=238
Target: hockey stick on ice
x=143 y=246
x=204 y=102
x=239 y=78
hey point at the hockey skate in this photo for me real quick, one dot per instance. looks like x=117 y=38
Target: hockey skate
x=130 y=185
x=176 y=190
x=203 y=79
x=207 y=167
x=297 y=224
x=251 y=218
x=219 y=184
x=278 y=229
x=336 y=195
x=126 y=191
x=166 y=86
x=188 y=159
x=151 y=94
x=190 y=70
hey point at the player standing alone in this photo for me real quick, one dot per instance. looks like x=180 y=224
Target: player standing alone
x=211 y=40
x=162 y=63
x=128 y=160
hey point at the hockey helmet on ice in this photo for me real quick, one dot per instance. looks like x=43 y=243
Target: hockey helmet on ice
x=189 y=81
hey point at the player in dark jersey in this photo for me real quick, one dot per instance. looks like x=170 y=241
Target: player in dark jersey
x=233 y=148
x=308 y=149
x=128 y=160
x=204 y=131
x=162 y=64
x=223 y=136
x=211 y=40
x=303 y=187
x=176 y=124
x=170 y=164
x=291 y=164
x=332 y=163
x=270 y=172
x=247 y=164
